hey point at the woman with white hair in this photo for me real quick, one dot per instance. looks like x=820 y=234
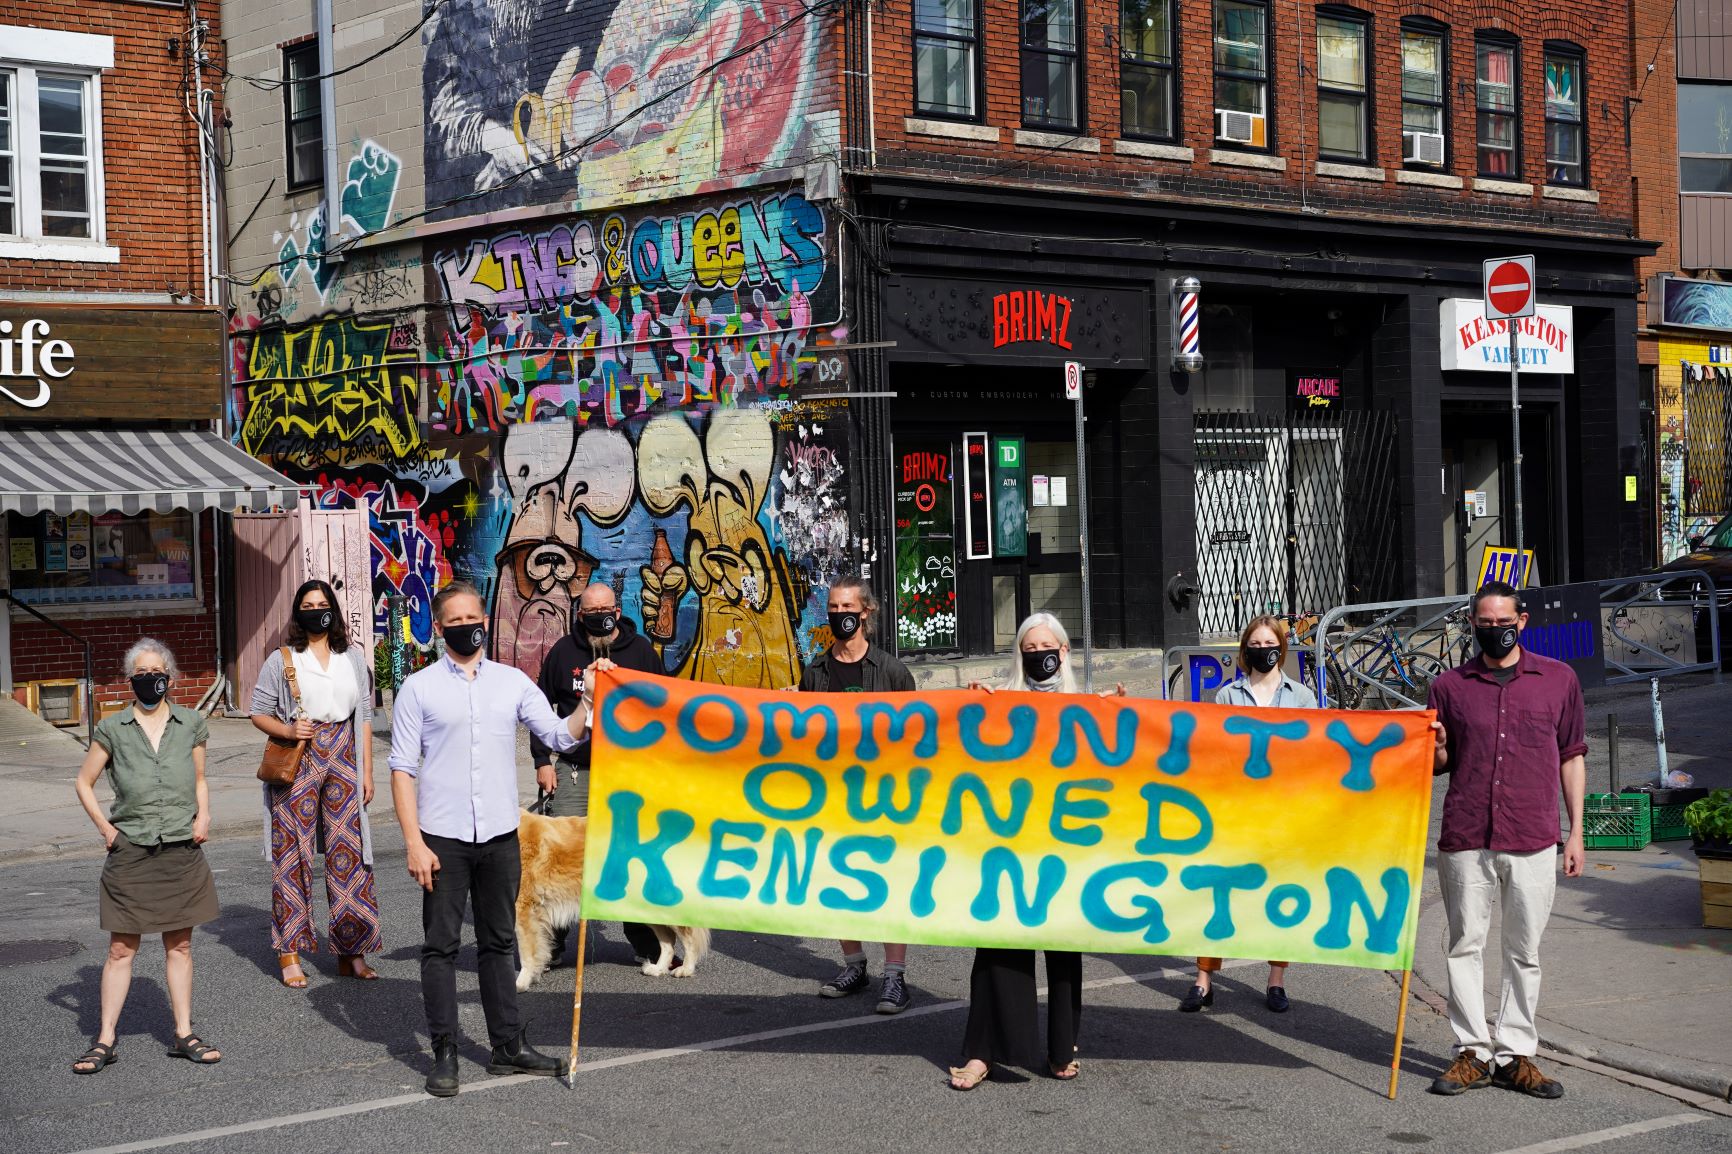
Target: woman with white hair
x=155 y=880
x=1003 y=1007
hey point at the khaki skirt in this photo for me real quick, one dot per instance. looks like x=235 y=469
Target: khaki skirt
x=156 y=889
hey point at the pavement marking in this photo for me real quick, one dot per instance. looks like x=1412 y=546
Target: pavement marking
x=1595 y=1137
x=373 y=1104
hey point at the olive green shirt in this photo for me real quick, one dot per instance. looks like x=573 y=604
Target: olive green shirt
x=155 y=790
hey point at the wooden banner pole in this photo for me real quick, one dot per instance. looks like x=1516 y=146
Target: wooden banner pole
x=1394 y=1063
x=577 y=999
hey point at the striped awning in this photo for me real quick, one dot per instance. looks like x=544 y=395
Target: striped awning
x=95 y=471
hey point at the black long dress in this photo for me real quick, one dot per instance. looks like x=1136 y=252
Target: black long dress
x=1003 y=1009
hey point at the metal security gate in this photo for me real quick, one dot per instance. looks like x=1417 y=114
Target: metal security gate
x=1295 y=513
x=1707 y=437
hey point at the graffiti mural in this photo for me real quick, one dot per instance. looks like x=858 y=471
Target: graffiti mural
x=620 y=101
x=369 y=192
x=612 y=318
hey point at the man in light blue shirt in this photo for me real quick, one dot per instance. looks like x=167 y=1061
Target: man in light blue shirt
x=454 y=782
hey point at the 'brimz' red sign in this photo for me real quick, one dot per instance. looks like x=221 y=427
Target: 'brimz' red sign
x=1030 y=315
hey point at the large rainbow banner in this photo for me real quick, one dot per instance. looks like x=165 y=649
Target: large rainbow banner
x=1113 y=825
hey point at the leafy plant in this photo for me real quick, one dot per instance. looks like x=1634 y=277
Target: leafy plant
x=1711 y=817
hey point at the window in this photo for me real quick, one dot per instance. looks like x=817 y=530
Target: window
x=49 y=175
x=1704 y=137
x=1146 y=68
x=1049 y=63
x=303 y=117
x=1423 y=92
x=945 y=35
x=1241 y=73
x=1564 y=154
x=1341 y=96
x=1495 y=99
x=106 y=559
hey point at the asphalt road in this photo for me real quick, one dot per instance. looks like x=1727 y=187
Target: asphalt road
x=743 y=1056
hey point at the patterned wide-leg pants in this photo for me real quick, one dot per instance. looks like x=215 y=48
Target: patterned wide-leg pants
x=325 y=799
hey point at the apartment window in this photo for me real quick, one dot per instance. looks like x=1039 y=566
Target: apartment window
x=1564 y=151
x=1341 y=89
x=1146 y=68
x=1423 y=92
x=1704 y=137
x=306 y=140
x=1498 y=112
x=1241 y=73
x=946 y=34
x=50 y=179
x=1049 y=63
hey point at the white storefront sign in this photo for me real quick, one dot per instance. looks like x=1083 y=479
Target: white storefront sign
x=1545 y=342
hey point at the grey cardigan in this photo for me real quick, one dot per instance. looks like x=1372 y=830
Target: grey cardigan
x=271 y=696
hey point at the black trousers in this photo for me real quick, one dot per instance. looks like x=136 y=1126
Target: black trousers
x=485 y=875
x=1003 y=1008
x=571 y=799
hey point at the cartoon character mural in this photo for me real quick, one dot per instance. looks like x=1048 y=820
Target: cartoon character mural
x=620 y=101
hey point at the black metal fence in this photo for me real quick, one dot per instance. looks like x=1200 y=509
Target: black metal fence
x=1296 y=513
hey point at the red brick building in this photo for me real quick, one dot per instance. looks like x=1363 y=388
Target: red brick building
x=113 y=469
x=1333 y=177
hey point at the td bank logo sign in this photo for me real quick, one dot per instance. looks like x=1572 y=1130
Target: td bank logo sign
x=27 y=357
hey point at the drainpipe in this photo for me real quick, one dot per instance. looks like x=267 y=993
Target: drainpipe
x=326 y=21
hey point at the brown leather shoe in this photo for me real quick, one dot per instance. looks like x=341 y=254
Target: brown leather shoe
x=1521 y=1074
x=287 y=962
x=1465 y=1073
x=355 y=966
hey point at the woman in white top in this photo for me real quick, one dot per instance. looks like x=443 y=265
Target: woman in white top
x=326 y=807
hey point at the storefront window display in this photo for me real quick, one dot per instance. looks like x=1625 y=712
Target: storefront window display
x=106 y=559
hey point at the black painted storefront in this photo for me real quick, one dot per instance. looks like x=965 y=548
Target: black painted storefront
x=1297 y=310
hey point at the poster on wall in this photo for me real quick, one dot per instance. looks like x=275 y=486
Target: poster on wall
x=977 y=502
x=23 y=554
x=78 y=542
x=1009 y=503
x=925 y=548
x=54 y=555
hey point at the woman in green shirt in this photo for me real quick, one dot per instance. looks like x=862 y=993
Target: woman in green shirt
x=155 y=880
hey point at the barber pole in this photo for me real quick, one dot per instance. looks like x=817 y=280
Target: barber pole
x=1187 y=331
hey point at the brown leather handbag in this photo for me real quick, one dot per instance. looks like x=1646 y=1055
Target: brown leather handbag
x=283 y=755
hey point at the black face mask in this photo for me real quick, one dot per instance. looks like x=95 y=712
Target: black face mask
x=315 y=621
x=844 y=625
x=149 y=688
x=465 y=640
x=1040 y=664
x=601 y=623
x=1262 y=658
x=1496 y=641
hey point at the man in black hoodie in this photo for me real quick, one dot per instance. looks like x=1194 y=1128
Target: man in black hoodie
x=602 y=631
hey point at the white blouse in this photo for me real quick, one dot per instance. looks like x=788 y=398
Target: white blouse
x=326 y=694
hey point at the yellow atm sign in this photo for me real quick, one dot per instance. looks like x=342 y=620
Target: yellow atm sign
x=1500 y=564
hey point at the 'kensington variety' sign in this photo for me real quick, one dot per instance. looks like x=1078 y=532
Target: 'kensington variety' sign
x=1115 y=825
x=1468 y=340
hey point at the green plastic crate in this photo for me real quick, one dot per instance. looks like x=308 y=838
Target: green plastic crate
x=1617 y=821
x=1668 y=822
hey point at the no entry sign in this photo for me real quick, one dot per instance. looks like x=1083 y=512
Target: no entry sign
x=1509 y=287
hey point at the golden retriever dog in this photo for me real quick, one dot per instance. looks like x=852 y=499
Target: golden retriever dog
x=550 y=897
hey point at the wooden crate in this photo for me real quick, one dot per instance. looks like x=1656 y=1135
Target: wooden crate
x=1716 y=893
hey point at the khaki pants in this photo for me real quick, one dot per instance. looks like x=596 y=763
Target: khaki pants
x=1523 y=884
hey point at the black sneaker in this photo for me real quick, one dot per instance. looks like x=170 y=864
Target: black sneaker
x=851 y=980
x=893 y=996
x=442 y=1079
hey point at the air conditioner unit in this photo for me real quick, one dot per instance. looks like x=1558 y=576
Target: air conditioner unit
x=1241 y=127
x=1424 y=147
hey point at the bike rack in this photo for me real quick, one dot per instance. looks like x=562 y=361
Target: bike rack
x=1431 y=612
x=1649 y=591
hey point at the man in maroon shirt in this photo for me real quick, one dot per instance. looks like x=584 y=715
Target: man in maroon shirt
x=1509 y=733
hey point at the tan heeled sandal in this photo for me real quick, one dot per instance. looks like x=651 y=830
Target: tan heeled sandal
x=962 y=1078
x=284 y=961
x=355 y=966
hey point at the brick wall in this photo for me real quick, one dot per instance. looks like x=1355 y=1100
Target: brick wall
x=1600 y=28
x=149 y=150
x=1654 y=149
x=42 y=654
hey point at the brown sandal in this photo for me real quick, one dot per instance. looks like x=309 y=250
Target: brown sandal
x=284 y=961
x=355 y=966
x=1067 y=1072
x=967 y=1078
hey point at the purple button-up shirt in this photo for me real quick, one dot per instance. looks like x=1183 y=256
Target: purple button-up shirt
x=458 y=737
x=1506 y=746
